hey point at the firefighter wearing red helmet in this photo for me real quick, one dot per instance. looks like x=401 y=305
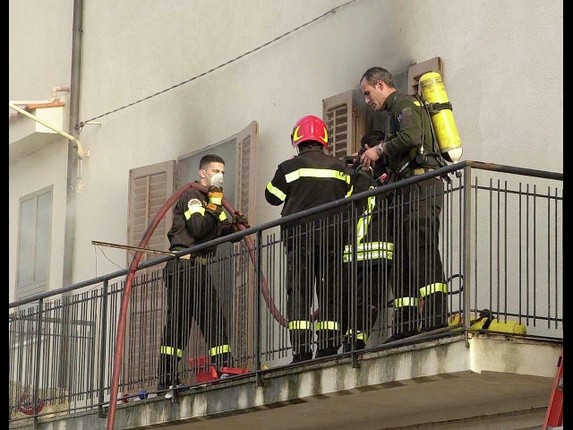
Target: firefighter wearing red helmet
x=307 y=180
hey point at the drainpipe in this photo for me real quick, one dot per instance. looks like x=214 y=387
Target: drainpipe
x=73 y=159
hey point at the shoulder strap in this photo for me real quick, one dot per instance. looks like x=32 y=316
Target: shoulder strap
x=435 y=146
x=422 y=157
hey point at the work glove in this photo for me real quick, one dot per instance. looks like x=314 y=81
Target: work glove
x=215 y=195
x=240 y=218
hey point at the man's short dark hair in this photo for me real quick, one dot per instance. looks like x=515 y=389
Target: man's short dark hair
x=309 y=144
x=375 y=74
x=372 y=138
x=210 y=158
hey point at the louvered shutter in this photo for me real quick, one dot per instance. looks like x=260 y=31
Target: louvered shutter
x=338 y=116
x=246 y=180
x=149 y=188
x=415 y=71
x=245 y=286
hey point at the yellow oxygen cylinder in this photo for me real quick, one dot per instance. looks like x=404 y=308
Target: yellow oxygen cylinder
x=434 y=93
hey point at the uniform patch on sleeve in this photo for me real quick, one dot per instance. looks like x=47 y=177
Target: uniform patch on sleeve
x=406 y=117
x=194 y=204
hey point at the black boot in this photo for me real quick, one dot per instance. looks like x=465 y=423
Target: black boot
x=222 y=360
x=329 y=342
x=301 y=341
x=404 y=323
x=434 y=314
x=359 y=344
x=167 y=370
x=401 y=335
x=326 y=352
x=301 y=356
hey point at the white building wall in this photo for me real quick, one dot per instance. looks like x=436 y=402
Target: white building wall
x=502 y=69
x=26 y=177
x=39 y=59
x=39 y=47
x=503 y=73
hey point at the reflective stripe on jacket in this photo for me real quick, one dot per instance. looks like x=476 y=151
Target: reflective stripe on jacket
x=308 y=180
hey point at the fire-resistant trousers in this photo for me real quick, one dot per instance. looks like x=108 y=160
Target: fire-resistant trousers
x=191 y=296
x=368 y=257
x=314 y=261
x=417 y=271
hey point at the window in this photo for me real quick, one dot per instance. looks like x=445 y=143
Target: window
x=34 y=241
x=150 y=186
x=238 y=151
x=348 y=118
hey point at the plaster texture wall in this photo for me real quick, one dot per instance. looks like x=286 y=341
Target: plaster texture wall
x=166 y=79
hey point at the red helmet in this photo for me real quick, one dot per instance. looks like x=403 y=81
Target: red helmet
x=307 y=128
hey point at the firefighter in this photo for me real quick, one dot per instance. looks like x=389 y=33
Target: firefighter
x=313 y=244
x=409 y=150
x=369 y=249
x=191 y=294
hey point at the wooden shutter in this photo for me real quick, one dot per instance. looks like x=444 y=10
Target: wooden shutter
x=338 y=116
x=149 y=188
x=244 y=284
x=418 y=69
x=345 y=118
x=246 y=180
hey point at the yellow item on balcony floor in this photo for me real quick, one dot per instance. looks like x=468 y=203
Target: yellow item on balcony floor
x=486 y=322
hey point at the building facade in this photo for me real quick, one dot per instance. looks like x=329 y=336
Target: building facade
x=112 y=104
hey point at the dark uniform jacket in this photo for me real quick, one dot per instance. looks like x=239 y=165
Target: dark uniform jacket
x=193 y=223
x=408 y=130
x=307 y=180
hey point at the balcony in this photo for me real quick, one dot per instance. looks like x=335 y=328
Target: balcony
x=494 y=364
x=27 y=137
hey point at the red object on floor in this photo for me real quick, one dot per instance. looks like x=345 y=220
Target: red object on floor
x=233 y=370
x=198 y=362
x=206 y=372
x=554 y=416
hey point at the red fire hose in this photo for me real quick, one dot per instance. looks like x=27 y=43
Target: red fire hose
x=118 y=356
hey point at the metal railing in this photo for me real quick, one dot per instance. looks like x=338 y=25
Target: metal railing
x=500 y=243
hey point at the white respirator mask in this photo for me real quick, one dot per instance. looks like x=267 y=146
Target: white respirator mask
x=217 y=180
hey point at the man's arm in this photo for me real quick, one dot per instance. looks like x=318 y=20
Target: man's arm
x=198 y=217
x=408 y=135
x=410 y=132
x=276 y=190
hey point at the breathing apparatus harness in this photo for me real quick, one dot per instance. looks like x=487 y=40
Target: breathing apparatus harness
x=422 y=158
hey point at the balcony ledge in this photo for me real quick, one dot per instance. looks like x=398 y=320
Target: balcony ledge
x=27 y=136
x=437 y=381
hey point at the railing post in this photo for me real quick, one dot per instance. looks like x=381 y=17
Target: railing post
x=35 y=398
x=353 y=269
x=102 y=351
x=467 y=254
x=256 y=300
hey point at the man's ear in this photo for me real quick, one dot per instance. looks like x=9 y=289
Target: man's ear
x=202 y=173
